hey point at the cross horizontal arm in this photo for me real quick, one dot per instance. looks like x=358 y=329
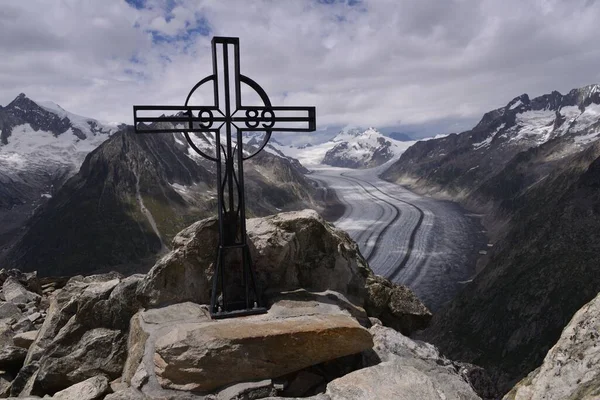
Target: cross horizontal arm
x=274 y=119
x=210 y=118
x=185 y=119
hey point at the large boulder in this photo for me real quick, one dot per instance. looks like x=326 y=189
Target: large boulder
x=180 y=347
x=290 y=251
x=196 y=357
x=571 y=369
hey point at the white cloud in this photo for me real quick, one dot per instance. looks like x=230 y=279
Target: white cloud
x=380 y=63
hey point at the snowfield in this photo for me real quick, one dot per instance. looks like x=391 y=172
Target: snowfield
x=28 y=148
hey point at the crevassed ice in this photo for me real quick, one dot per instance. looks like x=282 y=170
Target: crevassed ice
x=588 y=117
x=26 y=146
x=535 y=125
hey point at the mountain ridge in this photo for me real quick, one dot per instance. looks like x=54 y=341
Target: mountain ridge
x=133 y=194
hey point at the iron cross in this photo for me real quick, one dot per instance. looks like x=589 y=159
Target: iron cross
x=228 y=116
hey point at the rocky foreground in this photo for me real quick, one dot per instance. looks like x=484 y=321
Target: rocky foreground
x=333 y=331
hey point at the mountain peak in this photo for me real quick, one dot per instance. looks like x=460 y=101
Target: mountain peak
x=518 y=101
x=21 y=101
x=586 y=91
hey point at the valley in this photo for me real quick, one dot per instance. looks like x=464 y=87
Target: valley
x=80 y=201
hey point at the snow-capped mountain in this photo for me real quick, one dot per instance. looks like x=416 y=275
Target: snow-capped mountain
x=354 y=148
x=534 y=122
x=559 y=125
x=350 y=148
x=41 y=146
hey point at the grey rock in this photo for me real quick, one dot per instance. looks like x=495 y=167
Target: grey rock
x=15 y=292
x=28 y=279
x=118 y=385
x=97 y=351
x=411 y=369
x=479 y=379
x=24 y=381
x=127 y=394
x=571 y=369
x=23 y=325
x=12 y=358
x=152 y=329
x=90 y=389
x=394 y=380
x=291 y=251
x=389 y=344
x=25 y=339
x=5 y=382
x=194 y=356
x=6 y=331
x=84 y=333
x=395 y=305
x=144 y=323
x=10 y=310
x=140 y=378
x=34 y=317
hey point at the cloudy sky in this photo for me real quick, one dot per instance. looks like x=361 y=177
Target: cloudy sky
x=417 y=66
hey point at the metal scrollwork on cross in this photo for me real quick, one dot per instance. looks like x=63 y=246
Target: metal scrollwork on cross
x=228 y=116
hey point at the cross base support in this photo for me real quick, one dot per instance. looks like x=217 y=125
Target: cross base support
x=238 y=313
x=251 y=303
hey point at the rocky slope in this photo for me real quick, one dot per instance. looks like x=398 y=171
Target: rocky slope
x=110 y=337
x=571 y=369
x=41 y=146
x=132 y=195
x=537 y=182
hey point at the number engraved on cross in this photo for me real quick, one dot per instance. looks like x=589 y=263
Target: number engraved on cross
x=227 y=116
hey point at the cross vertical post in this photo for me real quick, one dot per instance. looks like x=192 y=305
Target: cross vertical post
x=224 y=117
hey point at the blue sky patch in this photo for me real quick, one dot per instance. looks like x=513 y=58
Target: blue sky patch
x=200 y=28
x=139 y=4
